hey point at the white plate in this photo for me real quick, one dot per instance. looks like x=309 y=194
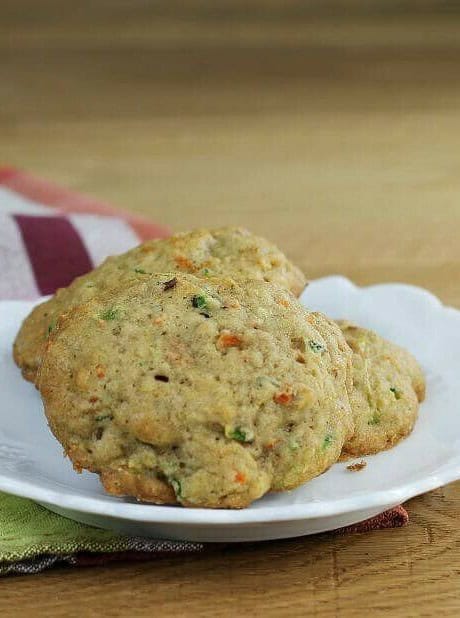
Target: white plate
x=32 y=465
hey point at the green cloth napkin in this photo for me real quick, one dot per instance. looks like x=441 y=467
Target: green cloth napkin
x=33 y=538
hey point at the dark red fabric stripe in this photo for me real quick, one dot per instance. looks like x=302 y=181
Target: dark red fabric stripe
x=56 y=251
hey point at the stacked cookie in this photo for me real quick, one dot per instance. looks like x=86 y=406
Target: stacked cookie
x=186 y=371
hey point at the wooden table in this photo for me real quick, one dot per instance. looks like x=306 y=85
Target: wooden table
x=335 y=132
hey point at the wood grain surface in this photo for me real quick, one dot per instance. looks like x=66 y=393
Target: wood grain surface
x=331 y=127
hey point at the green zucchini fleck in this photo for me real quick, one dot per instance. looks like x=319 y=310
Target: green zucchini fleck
x=239 y=434
x=199 y=302
x=177 y=486
x=51 y=327
x=103 y=417
x=316 y=347
x=110 y=314
x=396 y=392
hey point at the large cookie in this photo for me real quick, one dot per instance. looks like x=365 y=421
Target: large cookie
x=388 y=385
x=231 y=252
x=204 y=392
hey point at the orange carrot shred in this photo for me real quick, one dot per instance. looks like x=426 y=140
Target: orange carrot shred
x=184 y=262
x=229 y=340
x=240 y=477
x=283 y=398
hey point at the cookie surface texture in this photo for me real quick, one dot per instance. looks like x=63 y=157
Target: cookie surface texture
x=388 y=385
x=204 y=392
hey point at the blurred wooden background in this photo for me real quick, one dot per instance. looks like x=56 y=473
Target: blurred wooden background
x=294 y=118
x=333 y=127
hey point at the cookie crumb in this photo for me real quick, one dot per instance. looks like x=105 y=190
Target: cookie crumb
x=358 y=466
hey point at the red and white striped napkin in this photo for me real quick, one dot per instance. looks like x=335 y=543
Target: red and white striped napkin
x=49 y=235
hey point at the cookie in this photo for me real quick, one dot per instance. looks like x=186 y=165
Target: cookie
x=388 y=385
x=228 y=251
x=205 y=392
